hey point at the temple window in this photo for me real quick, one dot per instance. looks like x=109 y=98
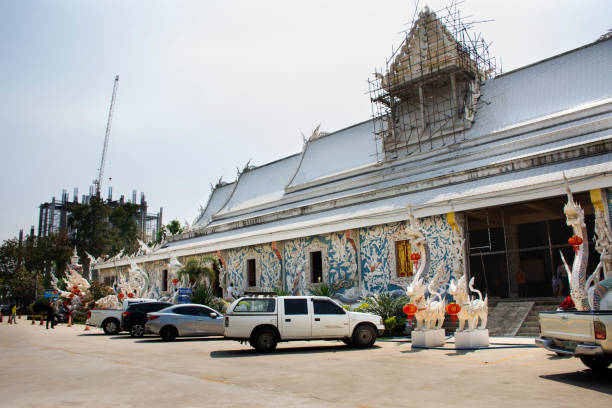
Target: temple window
x=251 y=272
x=164 y=280
x=316 y=266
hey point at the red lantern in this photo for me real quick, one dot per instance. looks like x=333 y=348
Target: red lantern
x=175 y=281
x=130 y=295
x=120 y=296
x=575 y=242
x=72 y=296
x=415 y=259
x=409 y=309
x=453 y=309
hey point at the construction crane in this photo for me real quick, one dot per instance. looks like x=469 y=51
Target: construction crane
x=98 y=181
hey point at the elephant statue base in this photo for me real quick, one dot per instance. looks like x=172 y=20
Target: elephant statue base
x=428 y=338
x=471 y=339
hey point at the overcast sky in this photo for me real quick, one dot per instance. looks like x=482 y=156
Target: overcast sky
x=207 y=85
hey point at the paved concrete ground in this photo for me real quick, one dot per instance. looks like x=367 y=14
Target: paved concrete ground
x=67 y=367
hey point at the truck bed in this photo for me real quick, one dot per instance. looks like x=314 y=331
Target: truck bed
x=573 y=333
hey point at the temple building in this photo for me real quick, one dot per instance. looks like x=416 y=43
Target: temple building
x=452 y=143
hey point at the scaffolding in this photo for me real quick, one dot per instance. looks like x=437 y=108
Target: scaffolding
x=427 y=95
x=54 y=215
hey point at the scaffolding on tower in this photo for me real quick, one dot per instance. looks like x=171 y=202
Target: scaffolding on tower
x=427 y=94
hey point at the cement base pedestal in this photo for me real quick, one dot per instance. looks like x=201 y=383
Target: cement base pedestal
x=472 y=339
x=428 y=338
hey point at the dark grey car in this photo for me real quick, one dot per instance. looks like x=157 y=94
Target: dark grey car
x=185 y=320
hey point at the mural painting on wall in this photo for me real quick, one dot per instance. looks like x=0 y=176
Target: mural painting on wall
x=380 y=258
x=338 y=259
x=267 y=269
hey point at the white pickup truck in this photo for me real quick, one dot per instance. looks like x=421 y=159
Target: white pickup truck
x=110 y=319
x=587 y=335
x=264 y=321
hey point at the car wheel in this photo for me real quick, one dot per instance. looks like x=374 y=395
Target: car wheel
x=364 y=336
x=348 y=342
x=596 y=363
x=168 y=333
x=111 y=326
x=265 y=341
x=137 y=330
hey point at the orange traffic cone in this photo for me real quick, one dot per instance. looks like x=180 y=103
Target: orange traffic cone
x=41 y=321
x=86 y=327
x=69 y=321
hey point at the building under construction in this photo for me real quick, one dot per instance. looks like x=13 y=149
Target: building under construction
x=426 y=97
x=480 y=160
x=54 y=215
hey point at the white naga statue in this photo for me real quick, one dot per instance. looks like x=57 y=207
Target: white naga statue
x=472 y=309
x=592 y=294
x=429 y=314
x=77 y=287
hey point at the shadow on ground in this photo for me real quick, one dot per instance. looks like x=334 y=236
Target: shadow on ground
x=285 y=350
x=593 y=380
x=157 y=339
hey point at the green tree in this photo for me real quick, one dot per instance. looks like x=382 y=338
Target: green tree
x=102 y=229
x=125 y=228
x=21 y=287
x=197 y=269
x=92 y=226
x=174 y=227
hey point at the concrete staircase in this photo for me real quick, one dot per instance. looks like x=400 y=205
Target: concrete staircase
x=512 y=317
x=506 y=318
x=530 y=327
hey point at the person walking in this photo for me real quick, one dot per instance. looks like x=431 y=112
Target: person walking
x=522 y=282
x=13 y=314
x=50 y=315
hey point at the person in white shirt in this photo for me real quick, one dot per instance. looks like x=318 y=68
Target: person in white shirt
x=231 y=292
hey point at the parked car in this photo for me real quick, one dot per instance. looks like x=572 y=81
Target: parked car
x=110 y=319
x=266 y=321
x=586 y=335
x=133 y=319
x=185 y=320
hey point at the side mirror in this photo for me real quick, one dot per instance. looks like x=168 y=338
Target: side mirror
x=213 y=315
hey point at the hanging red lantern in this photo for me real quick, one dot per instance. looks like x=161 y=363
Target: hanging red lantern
x=415 y=259
x=409 y=310
x=453 y=309
x=120 y=296
x=575 y=242
x=130 y=295
x=175 y=281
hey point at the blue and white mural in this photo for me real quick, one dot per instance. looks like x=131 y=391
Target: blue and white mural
x=338 y=253
x=376 y=246
x=378 y=252
x=268 y=267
